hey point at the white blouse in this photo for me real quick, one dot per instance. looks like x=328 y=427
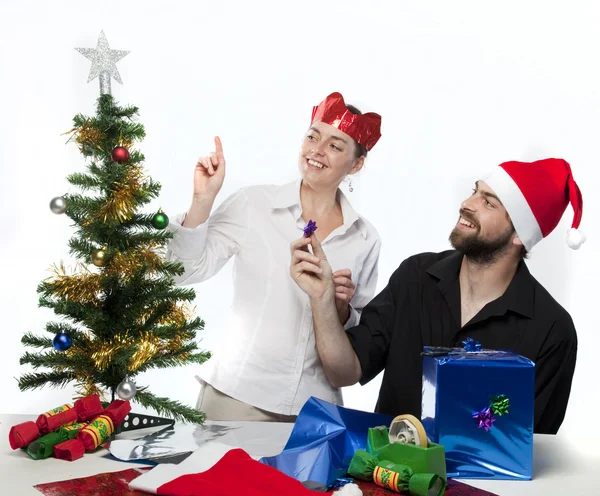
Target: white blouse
x=267 y=356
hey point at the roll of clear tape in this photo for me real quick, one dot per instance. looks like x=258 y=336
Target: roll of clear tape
x=407 y=429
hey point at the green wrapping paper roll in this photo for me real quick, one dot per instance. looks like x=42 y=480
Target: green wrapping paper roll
x=395 y=476
x=44 y=446
x=363 y=465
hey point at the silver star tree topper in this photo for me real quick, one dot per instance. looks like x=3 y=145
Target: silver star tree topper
x=104 y=63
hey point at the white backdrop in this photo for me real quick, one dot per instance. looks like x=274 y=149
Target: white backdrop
x=462 y=86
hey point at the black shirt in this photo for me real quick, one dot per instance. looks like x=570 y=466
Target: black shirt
x=420 y=306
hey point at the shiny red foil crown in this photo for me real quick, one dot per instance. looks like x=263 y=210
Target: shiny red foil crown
x=365 y=128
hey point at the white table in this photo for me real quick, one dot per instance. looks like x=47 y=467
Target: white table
x=561 y=466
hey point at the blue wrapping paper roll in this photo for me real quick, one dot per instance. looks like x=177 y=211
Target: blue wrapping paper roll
x=458 y=389
x=323 y=441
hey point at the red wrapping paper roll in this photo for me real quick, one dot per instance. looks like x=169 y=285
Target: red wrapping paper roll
x=21 y=435
x=88 y=408
x=117 y=411
x=52 y=420
x=69 y=450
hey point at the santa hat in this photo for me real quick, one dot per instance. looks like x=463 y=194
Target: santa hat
x=536 y=195
x=218 y=470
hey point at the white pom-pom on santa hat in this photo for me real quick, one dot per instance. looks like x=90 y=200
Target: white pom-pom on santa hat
x=350 y=489
x=575 y=238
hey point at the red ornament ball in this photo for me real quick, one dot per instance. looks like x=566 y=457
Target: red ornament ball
x=120 y=154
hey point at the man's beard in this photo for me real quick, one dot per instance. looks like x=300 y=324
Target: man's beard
x=478 y=250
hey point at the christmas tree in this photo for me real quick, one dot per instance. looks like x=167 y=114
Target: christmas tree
x=121 y=313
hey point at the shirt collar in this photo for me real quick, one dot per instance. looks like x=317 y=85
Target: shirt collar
x=518 y=297
x=288 y=195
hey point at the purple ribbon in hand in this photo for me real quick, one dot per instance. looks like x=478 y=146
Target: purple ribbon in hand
x=310 y=228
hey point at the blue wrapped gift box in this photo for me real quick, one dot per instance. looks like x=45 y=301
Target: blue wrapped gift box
x=479 y=406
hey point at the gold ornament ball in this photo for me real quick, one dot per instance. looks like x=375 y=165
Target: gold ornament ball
x=99 y=258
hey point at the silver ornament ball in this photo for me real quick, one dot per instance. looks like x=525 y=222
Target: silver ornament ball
x=126 y=390
x=58 y=205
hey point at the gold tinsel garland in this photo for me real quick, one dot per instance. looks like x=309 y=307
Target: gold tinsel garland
x=129 y=263
x=122 y=204
x=103 y=352
x=151 y=346
x=86 y=134
x=176 y=315
x=86 y=386
x=147 y=346
x=82 y=286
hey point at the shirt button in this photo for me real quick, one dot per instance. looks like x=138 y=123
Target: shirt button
x=304 y=340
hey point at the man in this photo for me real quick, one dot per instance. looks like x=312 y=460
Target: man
x=482 y=290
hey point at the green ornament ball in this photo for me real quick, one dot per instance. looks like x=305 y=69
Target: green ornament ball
x=160 y=220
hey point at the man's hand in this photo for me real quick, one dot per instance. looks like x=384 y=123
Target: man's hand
x=344 y=291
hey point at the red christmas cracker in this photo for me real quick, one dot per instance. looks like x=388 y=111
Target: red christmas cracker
x=96 y=432
x=21 y=435
x=70 y=431
x=52 y=420
x=88 y=408
x=44 y=446
x=117 y=411
x=69 y=450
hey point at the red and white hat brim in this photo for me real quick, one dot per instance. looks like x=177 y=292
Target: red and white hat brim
x=516 y=205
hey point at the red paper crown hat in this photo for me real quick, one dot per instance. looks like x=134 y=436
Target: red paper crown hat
x=364 y=129
x=536 y=195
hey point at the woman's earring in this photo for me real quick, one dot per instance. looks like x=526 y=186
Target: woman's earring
x=350 y=188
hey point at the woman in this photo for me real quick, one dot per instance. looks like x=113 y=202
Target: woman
x=268 y=366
